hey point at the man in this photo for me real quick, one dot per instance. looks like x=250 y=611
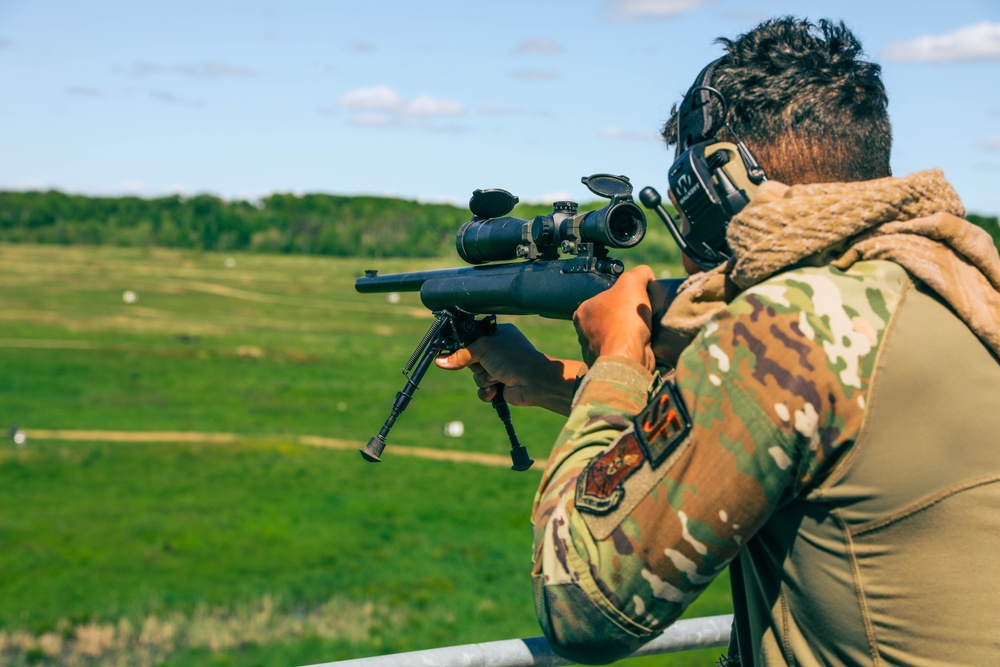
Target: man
x=830 y=433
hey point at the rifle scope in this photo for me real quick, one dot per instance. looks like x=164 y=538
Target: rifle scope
x=492 y=236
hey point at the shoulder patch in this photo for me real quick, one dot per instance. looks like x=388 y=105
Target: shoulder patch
x=656 y=433
x=599 y=489
x=662 y=425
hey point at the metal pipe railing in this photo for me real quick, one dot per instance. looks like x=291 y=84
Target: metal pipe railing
x=536 y=652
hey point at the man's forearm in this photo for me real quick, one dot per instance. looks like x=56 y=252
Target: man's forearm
x=613 y=391
x=555 y=391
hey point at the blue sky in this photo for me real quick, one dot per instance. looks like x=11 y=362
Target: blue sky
x=431 y=99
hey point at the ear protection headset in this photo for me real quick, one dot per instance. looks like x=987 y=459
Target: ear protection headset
x=711 y=180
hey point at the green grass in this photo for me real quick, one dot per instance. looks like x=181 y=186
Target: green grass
x=260 y=551
x=273 y=345
x=118 y=530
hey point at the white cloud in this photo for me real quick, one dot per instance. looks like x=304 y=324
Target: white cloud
x=633 y=10
x=366 y=99
x=974 y=42
x=383 y=106
x=425 y=105
x=629 y=135
x=991 y=143
x=541 y=45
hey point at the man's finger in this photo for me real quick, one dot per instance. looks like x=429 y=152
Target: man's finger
x=483 y=379
x=458 y=359
x=642 y=273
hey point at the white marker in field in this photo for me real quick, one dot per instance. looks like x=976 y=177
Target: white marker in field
x=19 y=437
x=129 y=296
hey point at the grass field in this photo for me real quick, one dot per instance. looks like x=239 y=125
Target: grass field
x=254 y=546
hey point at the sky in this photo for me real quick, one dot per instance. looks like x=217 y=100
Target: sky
x=431 y=99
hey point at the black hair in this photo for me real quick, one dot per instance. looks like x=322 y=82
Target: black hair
x=805 y=101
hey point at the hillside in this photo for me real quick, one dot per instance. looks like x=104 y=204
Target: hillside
x=312 y=224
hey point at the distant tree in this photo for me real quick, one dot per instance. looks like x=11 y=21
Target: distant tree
x=319 y=224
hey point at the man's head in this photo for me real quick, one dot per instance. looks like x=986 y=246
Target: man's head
x=804 y=101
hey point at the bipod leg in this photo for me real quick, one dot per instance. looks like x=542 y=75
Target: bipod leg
x=519 y=458
x=426 y=351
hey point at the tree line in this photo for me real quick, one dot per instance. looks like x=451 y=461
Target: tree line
x=281 y=223
x=317 y=224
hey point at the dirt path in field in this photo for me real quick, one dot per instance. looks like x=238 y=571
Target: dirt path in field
x=50 y=344
x=226 y=438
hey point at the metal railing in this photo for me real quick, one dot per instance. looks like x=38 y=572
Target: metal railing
x=535 y=651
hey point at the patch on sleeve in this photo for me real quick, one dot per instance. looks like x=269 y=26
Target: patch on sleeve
x=599 y=489
x=662 y=425
x=656 y=433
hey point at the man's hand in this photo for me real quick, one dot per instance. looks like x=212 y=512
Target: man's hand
x=619 y=321
x=529 y=378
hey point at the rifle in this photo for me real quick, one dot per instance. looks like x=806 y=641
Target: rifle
x=565 y=262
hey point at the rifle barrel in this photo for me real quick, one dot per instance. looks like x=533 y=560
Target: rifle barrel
x=410 y=281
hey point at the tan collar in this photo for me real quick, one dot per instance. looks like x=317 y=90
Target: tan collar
x=914 y=221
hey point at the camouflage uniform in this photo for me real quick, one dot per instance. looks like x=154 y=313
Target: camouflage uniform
x=784 y=446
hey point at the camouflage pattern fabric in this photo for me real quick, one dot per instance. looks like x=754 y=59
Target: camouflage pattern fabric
x=628 y=532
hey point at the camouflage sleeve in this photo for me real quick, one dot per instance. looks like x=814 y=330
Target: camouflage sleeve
x=635 y=517
x=612 y=392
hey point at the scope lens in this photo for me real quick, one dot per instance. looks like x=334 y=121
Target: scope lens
x=618 y=225
x=625 y=228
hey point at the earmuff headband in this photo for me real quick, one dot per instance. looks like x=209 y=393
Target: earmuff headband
x=695 y=121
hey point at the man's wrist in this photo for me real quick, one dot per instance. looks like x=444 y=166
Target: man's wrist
x=620 y=382
x=624 y=350
x=557 y=393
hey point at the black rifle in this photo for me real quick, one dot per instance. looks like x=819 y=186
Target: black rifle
x=565 y=262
